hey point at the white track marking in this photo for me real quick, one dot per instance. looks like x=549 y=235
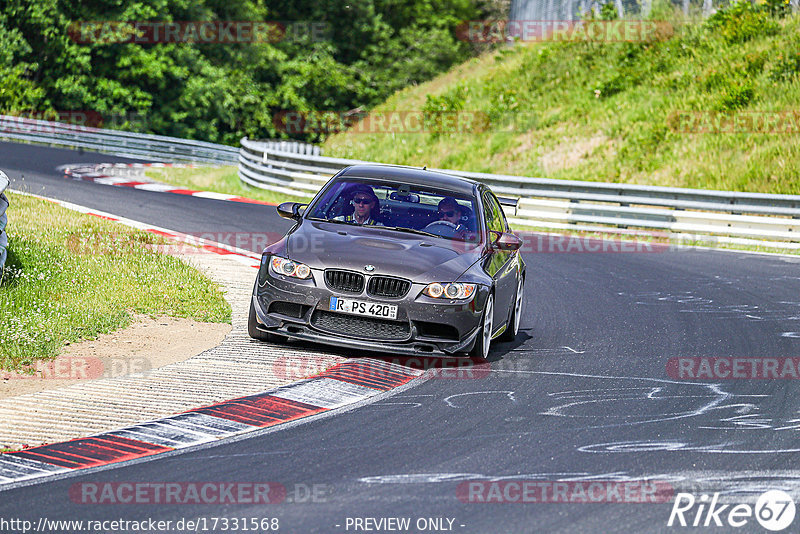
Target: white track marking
x=508 y=394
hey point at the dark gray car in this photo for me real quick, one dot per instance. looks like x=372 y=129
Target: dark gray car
x=393 y=259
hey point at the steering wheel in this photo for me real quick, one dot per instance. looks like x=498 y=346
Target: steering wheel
x=436 y=227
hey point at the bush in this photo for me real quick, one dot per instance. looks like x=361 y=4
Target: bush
x=742 y=21
x=735 y=96
x=786 y=67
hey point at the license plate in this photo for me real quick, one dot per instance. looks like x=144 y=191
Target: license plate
x=360 y=307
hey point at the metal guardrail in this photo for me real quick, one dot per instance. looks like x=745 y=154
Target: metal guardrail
x=117 y=142
x=4 y=181
x=130 y=144
x=693 y=214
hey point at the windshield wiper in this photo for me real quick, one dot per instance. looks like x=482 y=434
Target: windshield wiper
x=409 y=230
x=327 y=220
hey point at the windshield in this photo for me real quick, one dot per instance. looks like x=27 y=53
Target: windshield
x=401 y=207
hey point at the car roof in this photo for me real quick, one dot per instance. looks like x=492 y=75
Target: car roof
x=412 y=176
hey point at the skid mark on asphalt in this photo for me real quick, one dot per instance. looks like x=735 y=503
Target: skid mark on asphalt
x=548 y=352
x=691 y=302
x=394 y=402
x=636 y=401
x=448 y=400
x=678 y=446
x=599 y=398
x=738 y=486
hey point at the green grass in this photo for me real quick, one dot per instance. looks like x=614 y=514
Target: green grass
x=220 y=180
x=609 y=111
x=71 y=276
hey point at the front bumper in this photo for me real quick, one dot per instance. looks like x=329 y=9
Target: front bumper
x=300 y=310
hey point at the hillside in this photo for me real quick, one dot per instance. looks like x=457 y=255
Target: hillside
x=713 y=105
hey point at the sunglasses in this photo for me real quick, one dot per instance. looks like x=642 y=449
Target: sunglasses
x=362 y=200
x=447 y=213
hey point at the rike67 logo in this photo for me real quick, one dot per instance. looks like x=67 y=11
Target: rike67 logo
x=774 y=510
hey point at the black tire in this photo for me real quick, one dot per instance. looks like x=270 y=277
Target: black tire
x=512 y=329
x=255 y=333
x=483 y=341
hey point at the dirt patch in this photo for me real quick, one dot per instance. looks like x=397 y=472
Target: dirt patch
x=147 y=344
x=571 y=152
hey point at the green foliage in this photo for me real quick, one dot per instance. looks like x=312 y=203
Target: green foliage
x=786 y=66
x=609 y=11
x=335 y=55
x=735 y=96
x=452 y=100
x=16 y=92
x=742 y=21
x=778 y=8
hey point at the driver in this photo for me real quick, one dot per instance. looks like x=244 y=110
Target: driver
x=454 y=214
x=364 y=202
x=450 y=211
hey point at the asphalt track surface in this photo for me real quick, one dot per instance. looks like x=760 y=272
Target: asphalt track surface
x=583 y=393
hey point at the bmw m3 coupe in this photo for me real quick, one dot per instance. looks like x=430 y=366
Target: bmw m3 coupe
x=393 y=259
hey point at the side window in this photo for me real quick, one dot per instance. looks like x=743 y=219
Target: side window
x=495 y=220
x=502 y=215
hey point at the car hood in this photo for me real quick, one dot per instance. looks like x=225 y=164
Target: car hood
x=324 y=245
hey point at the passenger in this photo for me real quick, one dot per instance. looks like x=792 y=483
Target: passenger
x=364 y=203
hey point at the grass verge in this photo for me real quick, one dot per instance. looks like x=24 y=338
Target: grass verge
x=71 y=276
x=219 y=180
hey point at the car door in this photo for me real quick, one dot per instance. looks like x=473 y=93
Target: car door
x=501 y=265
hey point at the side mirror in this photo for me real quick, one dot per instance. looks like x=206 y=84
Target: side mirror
x=290 y=210
x=505 y=241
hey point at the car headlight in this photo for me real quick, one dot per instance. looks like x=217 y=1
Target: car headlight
x=290 y=268
x=449 y=291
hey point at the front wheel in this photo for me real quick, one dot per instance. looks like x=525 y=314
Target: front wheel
x=255 y=333
x=481 y=348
